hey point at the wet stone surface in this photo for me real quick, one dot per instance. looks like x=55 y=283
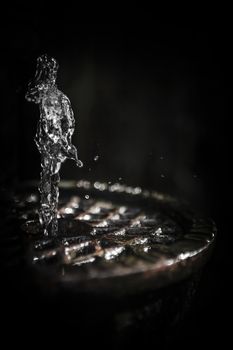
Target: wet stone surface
x=143 y=240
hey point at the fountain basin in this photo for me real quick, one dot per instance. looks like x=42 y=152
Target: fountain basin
x=130 y=257
x=117 y=239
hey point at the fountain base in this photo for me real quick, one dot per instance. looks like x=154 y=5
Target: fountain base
x=124 y=259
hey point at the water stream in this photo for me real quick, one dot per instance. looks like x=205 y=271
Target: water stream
x=53 y=138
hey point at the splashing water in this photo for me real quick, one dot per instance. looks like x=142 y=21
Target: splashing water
x=53 y=137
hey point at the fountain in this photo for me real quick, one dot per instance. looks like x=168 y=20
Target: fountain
x=53 y=137
x=120 y=252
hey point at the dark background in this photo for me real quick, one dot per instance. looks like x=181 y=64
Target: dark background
x=150 y=99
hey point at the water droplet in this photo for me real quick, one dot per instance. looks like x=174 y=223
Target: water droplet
x=161 y=158
x=101 y=186
x=83 y=184
x=120 y=232
x=137 y=190
x=68 y=210
x=159 y=231
x=111 y=253
x=87 y=196
x=32 y=198
x=79 y=163
x=162 y=176
x=119 y=178
x=86 y=217
x=146 y=249
x=96 y=158
x=122 y=209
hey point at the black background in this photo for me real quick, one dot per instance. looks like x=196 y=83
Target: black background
x=150 y=99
